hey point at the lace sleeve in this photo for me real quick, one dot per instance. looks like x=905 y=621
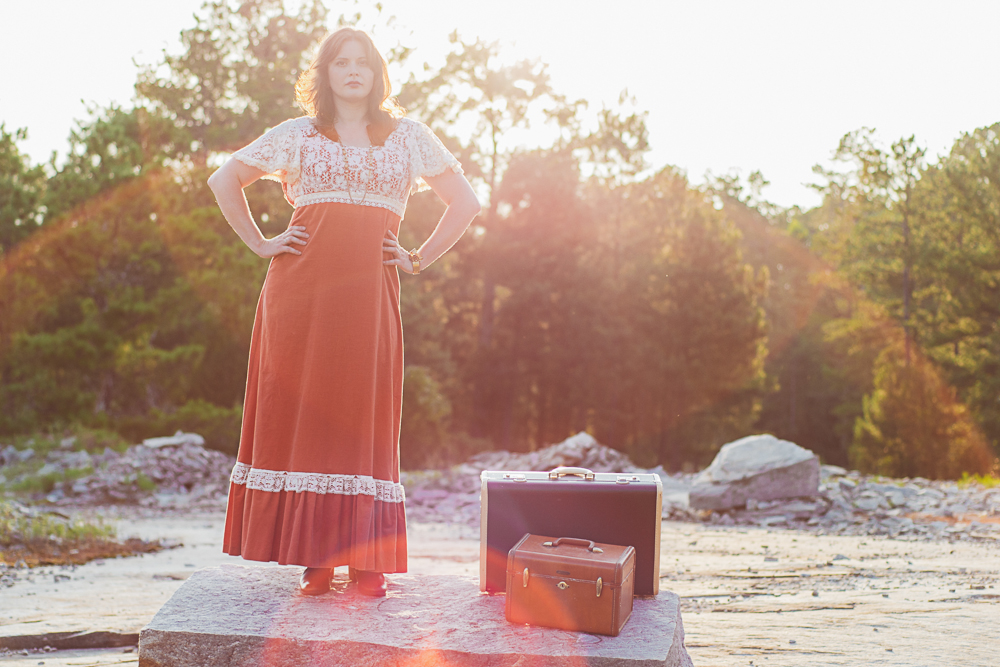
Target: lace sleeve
x=428 y=157
x=276 y=152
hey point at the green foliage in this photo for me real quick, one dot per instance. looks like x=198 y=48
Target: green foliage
x=20 y=528
x=985 y=481
x=913 y=426
x=22 y=188
x=32 y=538
x=474 y=87
x=958 y=322
x=218 y=425
x=73 y=438
x=42 y=484
x=95 y=440
x=941 y=289
x=426 y=412
x=593 y=326
x=702 y=369
x=109 y=149
x=88 y=339
x=589 y=295
x=145 y=483
x=124 y=318
x=236 y=74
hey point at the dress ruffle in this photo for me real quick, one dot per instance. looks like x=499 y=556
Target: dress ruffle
x=316 y=530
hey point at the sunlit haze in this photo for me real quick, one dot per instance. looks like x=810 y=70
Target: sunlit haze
x=767 y=86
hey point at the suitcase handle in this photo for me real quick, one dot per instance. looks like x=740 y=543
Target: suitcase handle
x=565 y=471
x=576 y=541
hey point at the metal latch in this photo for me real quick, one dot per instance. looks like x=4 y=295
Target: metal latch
x=625 y=479
x=524 y=578
x=600 y=586
x=515 y=476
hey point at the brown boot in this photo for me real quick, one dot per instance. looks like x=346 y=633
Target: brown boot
x=315 y=580
x=371 y=583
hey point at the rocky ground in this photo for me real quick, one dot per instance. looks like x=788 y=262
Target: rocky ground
x=867 y=571
x=178 y=473
x=751 y=595
x=847 y=503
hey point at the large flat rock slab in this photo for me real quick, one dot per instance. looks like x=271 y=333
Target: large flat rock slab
x=235 y=615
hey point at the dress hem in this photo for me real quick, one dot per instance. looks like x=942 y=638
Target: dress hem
x=315 y=530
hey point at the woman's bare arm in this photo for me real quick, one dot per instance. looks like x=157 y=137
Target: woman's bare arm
x=227 y=183
x=462 y=207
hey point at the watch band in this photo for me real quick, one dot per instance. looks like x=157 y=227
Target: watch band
x=415 y=259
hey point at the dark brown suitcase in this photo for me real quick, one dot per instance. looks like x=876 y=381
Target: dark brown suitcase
x=570 y=584
x=610 y=508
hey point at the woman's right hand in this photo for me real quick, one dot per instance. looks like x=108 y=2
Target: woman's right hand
x=283 y=242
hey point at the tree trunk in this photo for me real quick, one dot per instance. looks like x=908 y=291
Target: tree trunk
x=907 y=286
x=486 y=375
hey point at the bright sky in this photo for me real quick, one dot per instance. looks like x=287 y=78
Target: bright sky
x=768 y=85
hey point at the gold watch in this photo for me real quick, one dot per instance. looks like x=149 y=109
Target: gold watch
x=415 y=259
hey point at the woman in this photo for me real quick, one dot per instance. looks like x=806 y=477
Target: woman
x=317 y=479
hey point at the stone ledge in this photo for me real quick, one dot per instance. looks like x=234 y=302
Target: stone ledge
x=236 y=615
x=65 y=641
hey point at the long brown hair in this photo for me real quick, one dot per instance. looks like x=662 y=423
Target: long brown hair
x=314 y=95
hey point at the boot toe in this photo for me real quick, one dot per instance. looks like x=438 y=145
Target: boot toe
x=315 y=581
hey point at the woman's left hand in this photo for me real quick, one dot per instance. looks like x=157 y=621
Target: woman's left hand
x=397 y=256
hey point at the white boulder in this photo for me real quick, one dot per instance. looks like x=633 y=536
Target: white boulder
x=757 y=467
x=751 y=456
x=175 y=440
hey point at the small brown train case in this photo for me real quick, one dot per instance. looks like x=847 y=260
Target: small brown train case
x=570 y=584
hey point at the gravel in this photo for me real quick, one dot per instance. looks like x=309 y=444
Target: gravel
x=178 y=472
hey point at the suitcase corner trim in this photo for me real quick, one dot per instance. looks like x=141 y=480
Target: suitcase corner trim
x=659 y=530
x=483 y=500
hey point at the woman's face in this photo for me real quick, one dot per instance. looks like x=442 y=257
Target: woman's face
x=351 y=75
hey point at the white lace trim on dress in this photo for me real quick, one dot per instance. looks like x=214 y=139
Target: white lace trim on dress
x=358 y=199
x=275 y=481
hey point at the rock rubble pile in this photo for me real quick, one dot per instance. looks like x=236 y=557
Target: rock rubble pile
x=176 y=471
x=10 y=455
x=580 y=450
x=452 y=496
x=850 y=503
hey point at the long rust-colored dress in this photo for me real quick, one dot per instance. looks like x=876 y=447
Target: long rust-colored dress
x=317 y=478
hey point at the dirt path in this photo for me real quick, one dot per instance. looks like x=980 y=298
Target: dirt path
x=783 y=598
x=751 y=596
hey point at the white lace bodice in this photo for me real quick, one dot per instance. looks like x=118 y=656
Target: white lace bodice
x=310 y=167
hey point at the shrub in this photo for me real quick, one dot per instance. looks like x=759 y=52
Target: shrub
x=49 y=538
x=219 y=426
x=96 y=439
x=424 y=427
x=914 y=426
x=47 y=483
x=987 y=481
